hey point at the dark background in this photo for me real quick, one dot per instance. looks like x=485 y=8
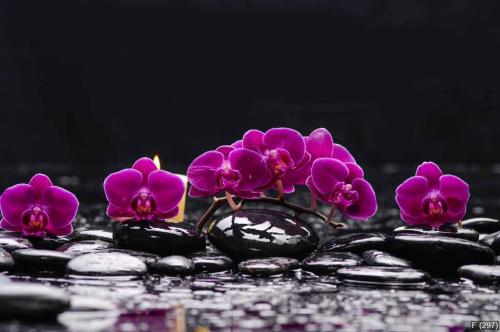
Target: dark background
x=95 y=83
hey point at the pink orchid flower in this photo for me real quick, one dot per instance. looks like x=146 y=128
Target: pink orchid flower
x=235 y=170
x=319 y=144
x=143 y=192
x=38 y=208
x=342 y=185
x=284 y=150
x=432 y=199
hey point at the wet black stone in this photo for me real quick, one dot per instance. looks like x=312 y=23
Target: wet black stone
x=257 y=233
x=492 y=241
x=211 y=262
x=48 y=242
x=84 y=247
x=106 y=264
x=380 y=258
x=382 y=275
x=40 y=260
x=439 y=254
x=330 y=262
x=158 y=237
x=146 y=257
x=263 y=267
x=356 y=242
x=482 y=225
x=497 y=260
x=85 y=233
x=292 y=263
x=29 y=301
x=14 y=243
x=447 y=230
x=6 y=261
x=481 y=273
x=173 y=265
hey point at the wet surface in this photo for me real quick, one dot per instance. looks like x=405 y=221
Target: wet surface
x=293 y=300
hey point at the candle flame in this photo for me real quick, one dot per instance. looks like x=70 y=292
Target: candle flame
x=156 y=160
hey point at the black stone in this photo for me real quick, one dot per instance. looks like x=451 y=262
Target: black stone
x=106 y=264
x=40 y=260
x=330 y=262
x=6 y=260
x=481 y=273
x=211 y=262
x=447 y=230
x=380 y=258
x=86 y=233
x=29 y=301
x=48 y=242
x=158 y=237
x=497 y=260
x=263 y=267
x=84 y=247
x=255 y=233
x=14 y=243
x=482 y=225
x=146 y=257
x=356 y=242
x=382 y=275
x=173 y=265
x=492 y=241
x=439 y=254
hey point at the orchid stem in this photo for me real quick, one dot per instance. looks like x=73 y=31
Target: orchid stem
x=232 y=203
x=279 y=187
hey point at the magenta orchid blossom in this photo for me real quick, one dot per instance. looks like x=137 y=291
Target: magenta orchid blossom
x=342 y=185
x=143 y=192
x=432 y=199
x=38 y=208
x=237 y=171
x=280 y=159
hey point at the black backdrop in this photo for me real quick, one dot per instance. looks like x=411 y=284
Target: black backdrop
x=101 y=82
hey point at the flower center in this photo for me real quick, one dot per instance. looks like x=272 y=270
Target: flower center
x=434 y=205
x=143 y=204
x=279 y=161
x=227 y=177
x=344 y=195
x=35 y=221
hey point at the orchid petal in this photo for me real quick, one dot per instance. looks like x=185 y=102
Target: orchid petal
x=66 y=230
x=410 y=195
x=16 y=200
x=168 y=214
x=238 y=144
x=327 y=172
x=225 y=150
x=355 y=172
x=193 y=192
x=431 y=172
x=366 y=204
x=412 y=220
x=320 y=144
x=288 y=139
x=342 y=154
x=253 y=140
x=145 y=166
x=455 y=191
x=10 y=227
x=40 y=182
x=202 y=171
x=121 y=187
x=119 y=213
x=252 y=168
x=61 y=206
x=167 y=189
